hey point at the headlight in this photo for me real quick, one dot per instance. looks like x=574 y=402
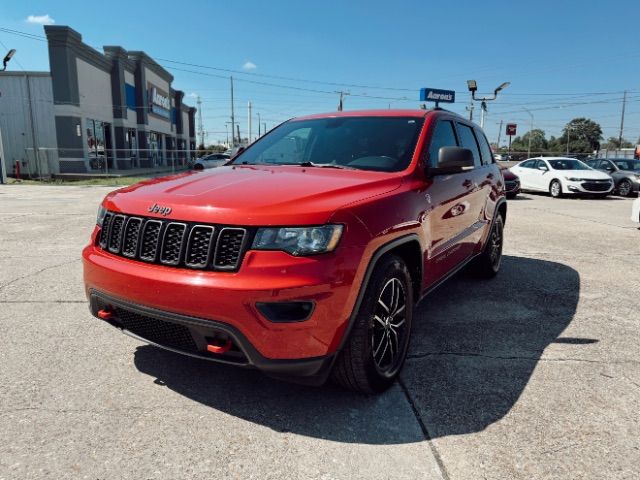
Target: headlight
x=574 y=179
x=299 y=240
x=101 y=213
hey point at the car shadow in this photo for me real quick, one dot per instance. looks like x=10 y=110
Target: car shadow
x=460 y=373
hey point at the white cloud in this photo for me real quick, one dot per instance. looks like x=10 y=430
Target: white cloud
x=40 y=19
x=249 y=66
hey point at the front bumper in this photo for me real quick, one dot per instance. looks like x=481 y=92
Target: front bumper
x=229 y=298
x=190 y=336
x=512 y=187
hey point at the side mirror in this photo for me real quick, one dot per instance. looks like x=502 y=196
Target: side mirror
x=543 y=168
x=452 y=160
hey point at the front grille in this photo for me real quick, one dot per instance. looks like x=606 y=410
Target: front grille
x=157 y=331
x=177 y=244
x=597 y=185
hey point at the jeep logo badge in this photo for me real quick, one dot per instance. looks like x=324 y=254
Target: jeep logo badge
x=155 y=208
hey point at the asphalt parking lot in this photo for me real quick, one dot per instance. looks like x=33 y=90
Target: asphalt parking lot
x=535 y=374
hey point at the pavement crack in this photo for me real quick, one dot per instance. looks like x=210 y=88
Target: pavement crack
x=425 y=431
x=44 y=269
x=523 y=358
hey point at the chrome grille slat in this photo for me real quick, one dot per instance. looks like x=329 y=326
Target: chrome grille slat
x=130 y=237
x=172 y=242
x=229 y=247
x=176 y=244
x=198 y=251
x=115 y=233
x=150 y=240
x=104 y=233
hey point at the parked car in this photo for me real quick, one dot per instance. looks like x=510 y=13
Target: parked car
x=303 y=258
x=560 y=176
x=624 y=171
x=211 y=160
x=635 y=210
x=511 y=183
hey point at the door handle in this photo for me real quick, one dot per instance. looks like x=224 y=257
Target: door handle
x=490 y=176
x=467 y=183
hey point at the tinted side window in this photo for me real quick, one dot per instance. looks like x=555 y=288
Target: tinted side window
x=542 y=164
x=468 y=140
x=528 y=164
x=593 y=164
x=485 y=149
x=443 y=136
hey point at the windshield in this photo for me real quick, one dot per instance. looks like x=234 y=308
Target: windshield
x=384 y=144
x=633 y=165
x=568 y=164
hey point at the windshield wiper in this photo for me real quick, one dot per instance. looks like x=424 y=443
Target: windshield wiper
x=323 y=165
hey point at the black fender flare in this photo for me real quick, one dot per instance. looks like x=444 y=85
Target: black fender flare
x=375 y=258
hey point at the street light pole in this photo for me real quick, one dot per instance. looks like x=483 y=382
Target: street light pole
x=473 y=88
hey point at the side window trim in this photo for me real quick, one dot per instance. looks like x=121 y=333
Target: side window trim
x=426 y=160
x=473 y=134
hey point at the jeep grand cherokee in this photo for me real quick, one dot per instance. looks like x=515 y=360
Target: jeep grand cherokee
x=304 y=256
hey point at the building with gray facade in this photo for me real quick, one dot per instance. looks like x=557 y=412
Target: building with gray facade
x=94 y=112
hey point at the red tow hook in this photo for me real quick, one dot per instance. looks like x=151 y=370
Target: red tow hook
x=220 y=348
x=105 y=314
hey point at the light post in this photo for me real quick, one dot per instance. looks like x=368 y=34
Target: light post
x=530 y=131
x=569 y=128
x=473 y=88
x=6 y=59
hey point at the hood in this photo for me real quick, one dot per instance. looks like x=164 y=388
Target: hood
x=252 y=195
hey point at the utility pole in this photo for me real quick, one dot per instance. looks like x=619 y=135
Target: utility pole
x=249 y=122
x=239 y=139
x=233 y=119
x=259 y=135
x=568 y=137
x=470 y=109
x=624 y=104
x=530 y=131
x=226 y=127
x=342 y=94
x=200 y=126
x=499 y=134
x=264 y=127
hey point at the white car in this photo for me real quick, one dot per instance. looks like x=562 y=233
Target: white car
x=635 y=210
x=211 y=161
x=560 y=176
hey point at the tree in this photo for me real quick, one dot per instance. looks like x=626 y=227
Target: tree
x=613 y=143
x=583 y=136
x=538 y=142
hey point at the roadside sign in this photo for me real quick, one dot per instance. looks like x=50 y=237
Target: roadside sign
x=437 y=95
x=511 y=129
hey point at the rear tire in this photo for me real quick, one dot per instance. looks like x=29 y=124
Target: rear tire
x=625 y=188
x=487 y=264
x=555 y=189
x=379 y=339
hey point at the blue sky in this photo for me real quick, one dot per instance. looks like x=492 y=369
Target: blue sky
x=563 y=59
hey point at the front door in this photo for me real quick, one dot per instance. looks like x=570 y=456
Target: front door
x=449 y=215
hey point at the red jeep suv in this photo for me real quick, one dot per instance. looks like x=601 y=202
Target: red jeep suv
x=305 y=255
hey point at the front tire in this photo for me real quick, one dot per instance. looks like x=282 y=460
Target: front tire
x=555 y=189
x=379 y=339
x=625 y=188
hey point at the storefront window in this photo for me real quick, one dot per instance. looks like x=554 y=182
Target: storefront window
x=96 y=144
x=155 y=149
x=131 y=143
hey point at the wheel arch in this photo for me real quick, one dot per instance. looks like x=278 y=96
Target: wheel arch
x=408 y=248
